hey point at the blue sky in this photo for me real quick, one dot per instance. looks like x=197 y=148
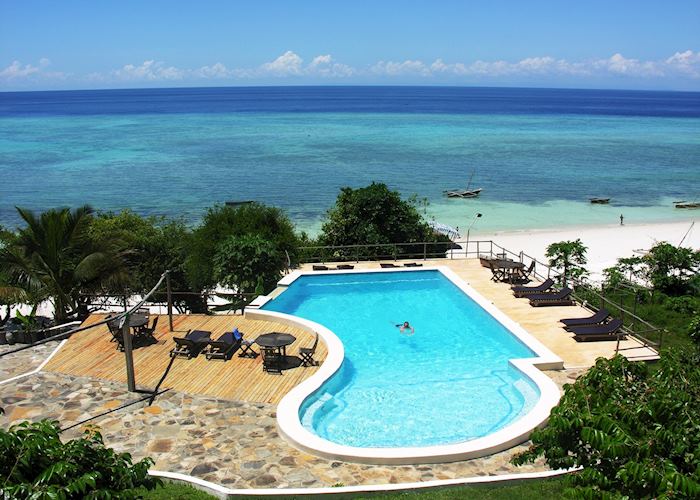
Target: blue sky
x=99 y=44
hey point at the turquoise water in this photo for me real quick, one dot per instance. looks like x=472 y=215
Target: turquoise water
x=539 y=154
x=449 y=382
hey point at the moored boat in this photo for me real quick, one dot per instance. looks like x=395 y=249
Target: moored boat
x=600 y=201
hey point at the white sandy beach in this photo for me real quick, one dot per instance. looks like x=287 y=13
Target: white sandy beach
x=605 y=243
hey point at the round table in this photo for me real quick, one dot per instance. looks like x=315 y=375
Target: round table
x=137 y=321
x=276 y=340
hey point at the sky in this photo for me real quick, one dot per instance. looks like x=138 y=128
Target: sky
x=73 y=44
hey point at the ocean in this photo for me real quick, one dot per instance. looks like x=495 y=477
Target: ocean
x=538 y=154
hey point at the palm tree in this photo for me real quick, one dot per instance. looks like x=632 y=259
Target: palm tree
x=54 y=259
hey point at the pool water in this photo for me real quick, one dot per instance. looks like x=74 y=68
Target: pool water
x=449 y=382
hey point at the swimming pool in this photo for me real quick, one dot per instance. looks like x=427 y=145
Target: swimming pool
x=456 y=380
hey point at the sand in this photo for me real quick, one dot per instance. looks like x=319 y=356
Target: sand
x=605 y=243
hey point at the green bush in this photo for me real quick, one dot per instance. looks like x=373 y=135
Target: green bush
x=634 y=430
x=375 y=215
x=244 y=262
x=683 y=305
x=34 y=463
x=694 y=329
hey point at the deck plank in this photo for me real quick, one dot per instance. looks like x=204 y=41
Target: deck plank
x=92 y=354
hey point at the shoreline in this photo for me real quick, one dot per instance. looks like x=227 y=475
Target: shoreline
x=606 y=243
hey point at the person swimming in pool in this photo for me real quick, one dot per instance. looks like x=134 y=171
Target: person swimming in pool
x=406 y=328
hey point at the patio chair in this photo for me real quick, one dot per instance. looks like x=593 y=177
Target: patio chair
x=524 y=291
x=191 y=345
x=523 y=275
x=272 y=360
x=117 y=335
x=412 y=264
x=497 y=274
x=307 y=354
x=317 y=267
x=560 y=298
x=387 y=265
x=345 y=266
x=606 y=331
x=223 y=347
x=246 y=345
x=148 y=331
x=596 y=319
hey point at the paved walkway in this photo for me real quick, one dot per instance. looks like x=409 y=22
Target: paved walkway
x=226 y=442
x=23 y=361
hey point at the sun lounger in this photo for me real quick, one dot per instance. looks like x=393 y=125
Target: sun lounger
x=412 y=264
x=596 y=319
x=345 y=266
x=524 y=291
x=606 y=331
x=223 y=347
x=191 y=345
x=387 y=265
x=317 y=267
x=560 y=298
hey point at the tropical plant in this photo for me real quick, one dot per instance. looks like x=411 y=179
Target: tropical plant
x=150 y=246
x=672 y=269
x=35 y=463
x=53 y=258
x=9 y=293
x=222 y=222
x=569 y=258
x=633 y=429
x=375 y=215
x=694 y=329
x=244 y=262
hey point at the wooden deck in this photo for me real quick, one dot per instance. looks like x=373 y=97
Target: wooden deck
x=92 y=354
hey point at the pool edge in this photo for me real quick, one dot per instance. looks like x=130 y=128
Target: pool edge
x=289 y=423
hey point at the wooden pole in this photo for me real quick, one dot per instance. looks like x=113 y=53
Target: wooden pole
x=170 y=301
x=129 y=355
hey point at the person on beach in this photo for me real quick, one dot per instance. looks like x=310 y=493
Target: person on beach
x=406 y=328
x=622 y=220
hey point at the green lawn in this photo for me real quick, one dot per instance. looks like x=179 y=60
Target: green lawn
x=534 y=490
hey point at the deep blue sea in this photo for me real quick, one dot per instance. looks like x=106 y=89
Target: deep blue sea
x=538 y=154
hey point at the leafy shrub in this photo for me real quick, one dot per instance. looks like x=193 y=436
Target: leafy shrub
x=633 y=429
x=694 y=329
x=244 y=262
x=683 y=305
x=568 y=257
x=34 y=463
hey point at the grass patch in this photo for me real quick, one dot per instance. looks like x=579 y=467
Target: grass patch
x=531 y=490
x=174 y=491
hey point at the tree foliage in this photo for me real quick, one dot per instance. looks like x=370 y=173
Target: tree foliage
x=634 y=430
x=374 y=215
x=150 y=245
x=53 y=258
x=223 y=222
x=244 y=262
x=35 y=463
x=569 y=258
x=672 y=269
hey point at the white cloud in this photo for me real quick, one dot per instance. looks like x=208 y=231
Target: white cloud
x=686 y=62
x=287 y=64
x=683 y=66
x=216 y=70
x=149 y=71
x=407 y=67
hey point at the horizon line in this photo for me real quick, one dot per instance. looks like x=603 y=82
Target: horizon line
x=352 y=86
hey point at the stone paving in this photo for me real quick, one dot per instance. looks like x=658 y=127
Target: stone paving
x=23 y=361
x=227 y=442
